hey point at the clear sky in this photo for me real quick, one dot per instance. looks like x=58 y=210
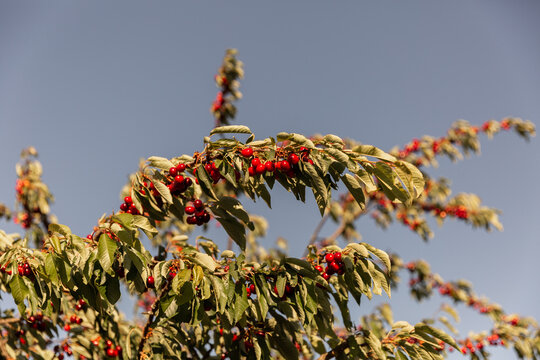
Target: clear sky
x=97 y=85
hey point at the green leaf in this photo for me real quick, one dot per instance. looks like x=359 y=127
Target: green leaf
x=302 y=264
x=106 y=249
x=235 y=230
x=241 y=303
x=358 y=248
x=383 y=256
x=367 y=179
x=234 y=207
x=355 y=189
x=392 y=187
x=439 y=334
x=61 y=229
x=50 y=268
x=19 y=290
x=163 y=191
x=55 y=242
x=319 y=187
x=330 y=138
x=280 y=284
x=205 y=261
x=183 y=276
x=370 y=150
x=143 y=223
x=231 y=129
x=338 y=155
x=205 y=183
x=113 y=289
x=160 y=162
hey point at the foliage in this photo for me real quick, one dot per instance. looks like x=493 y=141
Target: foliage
x=203 y=303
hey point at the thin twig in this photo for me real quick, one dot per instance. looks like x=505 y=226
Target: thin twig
x=317 y=230
x=146 y=329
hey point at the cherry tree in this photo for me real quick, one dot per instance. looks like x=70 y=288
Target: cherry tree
x=201 y=302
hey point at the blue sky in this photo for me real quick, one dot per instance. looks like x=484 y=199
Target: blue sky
x=95 y=86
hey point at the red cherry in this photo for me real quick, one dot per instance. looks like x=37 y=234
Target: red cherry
x=79 y=321
x=199 y=205
x=294 y=159
x=223 y=356
x=111 y=352
x=248 y=291
x=337 y=256
x=180 y=167
x=78 y=307
x=173 y=171
x=67 y=327
x=235 y=337
x=329 y=257
x=108 y=343
x=285 y=166
x=251 y=171
x=128 y=200
x=20 y=269
x=190 y=210
x=255 y=162
x=118 y=349
x=178 y=179
x=261 y=169
x=269 y=166
x=247 y=152
x=82 y=302
x=206 y=217
x=319 y=268
x=252 y=288
x=89 y=237
x=150 y=282
x=329 y=270
x=221 y=331
x=187 y=182
x=192 y=220
x=326 y=276
x=335 y=266
x=208 y=168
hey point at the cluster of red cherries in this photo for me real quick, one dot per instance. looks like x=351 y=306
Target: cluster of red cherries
x=179 y=184
x=112 y=351
x=212 y=171
x=128 y=206
x=250 y=289
x=37 y=322
x=198 y=215
x=260 y=167
x=334 y=265
x=61 y=350
x=471 y=347
x=25 y=270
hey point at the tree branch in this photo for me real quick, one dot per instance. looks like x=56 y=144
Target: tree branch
x=150 y=320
